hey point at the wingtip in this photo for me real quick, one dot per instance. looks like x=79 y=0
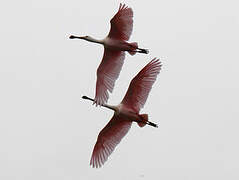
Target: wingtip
x=122 y=6
x=156 y=61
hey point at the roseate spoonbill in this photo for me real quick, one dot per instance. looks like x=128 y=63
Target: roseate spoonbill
x=115 y=45
x=125 y=113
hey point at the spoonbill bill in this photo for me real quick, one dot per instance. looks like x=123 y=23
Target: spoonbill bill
x=125 y=113
x=115 y=45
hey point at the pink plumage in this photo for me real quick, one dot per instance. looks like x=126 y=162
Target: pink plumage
x=122 y=24
x=141 y=85
x=107 y=73
x=125 y=113
x=113 y=59
x=115 y=45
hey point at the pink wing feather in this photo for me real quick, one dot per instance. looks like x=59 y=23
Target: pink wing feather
x=122 y=24
x=112 y=62
x=141 y=85
x=107 y=73
x=109 y=137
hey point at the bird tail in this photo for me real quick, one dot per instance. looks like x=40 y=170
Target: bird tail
x=134 y=46
x=143 y=120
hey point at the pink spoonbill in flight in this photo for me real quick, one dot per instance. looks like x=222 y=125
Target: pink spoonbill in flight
x=115 y=45
x=125 y=113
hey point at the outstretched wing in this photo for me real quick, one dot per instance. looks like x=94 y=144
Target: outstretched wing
x=122 y=23
x=107 y=73
x=109 y=137
x=141 y=85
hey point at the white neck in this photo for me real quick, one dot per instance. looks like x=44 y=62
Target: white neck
x=94 y=40
x=114 y=108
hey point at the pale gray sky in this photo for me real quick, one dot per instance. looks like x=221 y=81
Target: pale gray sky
x=48 y=132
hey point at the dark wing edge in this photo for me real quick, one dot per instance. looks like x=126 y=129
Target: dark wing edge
x=107 y=73
x=109 y=137
x=122 y=23
x=141 y=85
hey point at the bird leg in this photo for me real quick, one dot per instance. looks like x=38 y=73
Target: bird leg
x=145 y=51
x=149 y=123
x=152 y=124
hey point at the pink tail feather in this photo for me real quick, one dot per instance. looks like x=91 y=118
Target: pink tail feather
x=134 y=46
x=143 y=119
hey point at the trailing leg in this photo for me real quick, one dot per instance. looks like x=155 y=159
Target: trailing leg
x=144 y=120
x=145 y=51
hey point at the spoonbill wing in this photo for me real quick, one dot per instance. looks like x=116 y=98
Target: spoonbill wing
x=141 y=85
x=109 y=137
x=107 y=73
x=122 y=23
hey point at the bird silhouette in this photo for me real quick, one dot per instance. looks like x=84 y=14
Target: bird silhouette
x=115 y=45
x=125 y=113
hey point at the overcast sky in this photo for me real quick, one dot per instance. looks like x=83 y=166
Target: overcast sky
x=48 y=132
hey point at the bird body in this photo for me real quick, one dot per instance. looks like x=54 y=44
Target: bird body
x=115 y=46
x=119 y=45
x=125 y=113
